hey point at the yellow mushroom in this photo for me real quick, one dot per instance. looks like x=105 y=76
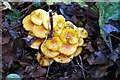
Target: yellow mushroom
x=36 y=43
x=63 y=58
x=68 y=49
x=43 y=60
x=48 y=53
x=37 y=16
x=69 y=24
x=69 y=35
x=82 y=33
x=27 y=23
x=46 y=21
x=61 y=21
x=54 y=44
x=80 y=42
x=40 y=31
x=77 y=52
x=30 y=33
x=57 y=31
x=38 y=56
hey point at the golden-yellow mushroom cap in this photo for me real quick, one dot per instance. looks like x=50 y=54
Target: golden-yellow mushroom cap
x=37 y=16
x=69 y=24
x=61 y=21
x=27 y=23
x=80 y=42
x=82 y=33
x=63 y=58
x=68 y=49
x=40 y=31
x=77 y=52
x=38 y=56
x=48 y=53
x=69 y=35
x=57 y=31
x=30 y=34
x=45 y=61
x=54 y=44
x=36 y=43
x=46 y=21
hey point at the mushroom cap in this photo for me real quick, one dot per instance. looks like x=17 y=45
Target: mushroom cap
x=48 y=53
x=61 y=21
x=37 y=16
x=57 y=31
x=68 y=24
x=40 y=31
x=80 y=42
x=45 y=61
x=82 y=33
x=63 y=58
x=38 y=56
x=36 y=43
x=46 y=21
x=77 y=52
x=30 y=34
x=69 y=35
x=27 y=23
x=54 y=44
x=68 y=49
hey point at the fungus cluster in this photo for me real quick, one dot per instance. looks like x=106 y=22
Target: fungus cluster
x=66 y=42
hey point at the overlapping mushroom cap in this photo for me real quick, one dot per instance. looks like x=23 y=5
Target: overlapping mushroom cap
x=66 y=42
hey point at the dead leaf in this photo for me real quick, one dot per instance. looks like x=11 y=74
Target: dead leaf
x=90 y=48
x=91 y=59
x=38 y=73
x=101 y=58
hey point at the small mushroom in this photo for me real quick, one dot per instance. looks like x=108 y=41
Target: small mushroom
x=54 y=44
x=82 y=33
x=68 y=49
x=80 y=42
x=45 y=61
x=38 y=56
x=36 y=43
x=63 y=58
x=27 y=23
x=61 y=21
x=57 y=31
x=69 y=35
x=69 y=24
x=37 y=16
x=40 y=31
x=46 y=21
x=77 y=52
x=48 y=53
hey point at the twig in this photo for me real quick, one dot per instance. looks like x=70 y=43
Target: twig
x=115 y=36
x=48 y=71
x=51 y=24
x=74 y=66
x=81 y=65
x=27 y=9
x=110 y=43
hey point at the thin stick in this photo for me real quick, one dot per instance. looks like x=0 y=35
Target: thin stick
x=81 y=65
x=74 y=66
x=48 y=71
x=51 y=24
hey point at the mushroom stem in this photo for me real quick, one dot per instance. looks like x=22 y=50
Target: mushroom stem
x=51 y=24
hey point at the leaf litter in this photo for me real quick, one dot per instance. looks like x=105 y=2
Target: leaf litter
x=96 y=60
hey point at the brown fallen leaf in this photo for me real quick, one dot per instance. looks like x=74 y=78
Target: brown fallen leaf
x=38 y=73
